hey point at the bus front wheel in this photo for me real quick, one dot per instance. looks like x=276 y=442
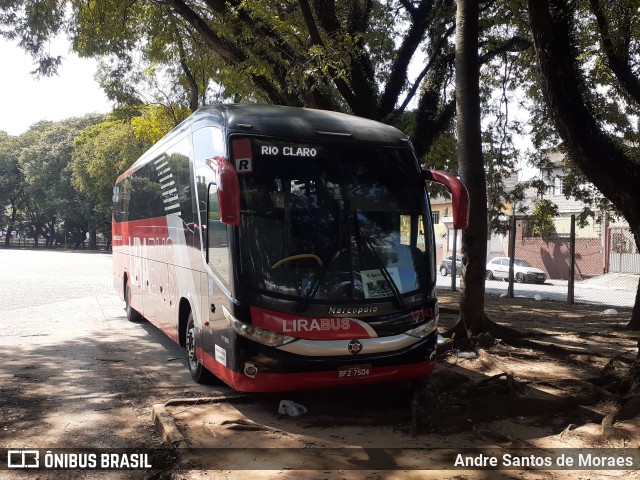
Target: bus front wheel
x=198 y=372
x=132 y=314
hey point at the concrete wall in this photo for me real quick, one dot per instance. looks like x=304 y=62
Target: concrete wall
x=552 y=256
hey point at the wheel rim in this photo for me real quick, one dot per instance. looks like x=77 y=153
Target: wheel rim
x=190 y=345
x=519 y=277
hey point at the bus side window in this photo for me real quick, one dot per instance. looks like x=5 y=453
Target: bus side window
x=208 y=142
x=118 y=202
x=218 y=245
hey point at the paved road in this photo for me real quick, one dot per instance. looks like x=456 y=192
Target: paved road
x=30 y=277
x=73 y=371
x=592 y=292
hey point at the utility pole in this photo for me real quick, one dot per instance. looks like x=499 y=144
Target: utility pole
x=512 y=254
x=572 y=260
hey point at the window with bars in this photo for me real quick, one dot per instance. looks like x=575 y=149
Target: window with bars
x=558 y=185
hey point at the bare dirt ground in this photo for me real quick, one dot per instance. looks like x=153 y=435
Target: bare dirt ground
x=74 y=373
x=558 y=387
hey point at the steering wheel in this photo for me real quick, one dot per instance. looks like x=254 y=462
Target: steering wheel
x=301 y=256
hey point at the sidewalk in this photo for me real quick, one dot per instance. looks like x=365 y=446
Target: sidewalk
x=612 y=281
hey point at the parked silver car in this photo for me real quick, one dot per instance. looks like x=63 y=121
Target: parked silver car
x=445 y=266
x=522 y=271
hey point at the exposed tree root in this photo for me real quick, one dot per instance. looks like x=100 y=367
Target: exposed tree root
x=629 y=409
x=459 y=330
x=582 y=390
x=248 y=425
x=624 y=381
x=499 y=396
x=458 y=404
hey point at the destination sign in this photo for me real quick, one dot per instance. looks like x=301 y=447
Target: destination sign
x=283 y=148
x=288 y=151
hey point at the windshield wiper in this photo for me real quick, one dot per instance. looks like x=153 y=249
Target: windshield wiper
x=367 y=247
x=336 y=247
x=316 y=282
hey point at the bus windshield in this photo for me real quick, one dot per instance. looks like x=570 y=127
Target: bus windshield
x=333 y=221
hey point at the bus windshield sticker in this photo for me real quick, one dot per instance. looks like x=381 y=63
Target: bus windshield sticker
x=375 y=285
x=221 y=355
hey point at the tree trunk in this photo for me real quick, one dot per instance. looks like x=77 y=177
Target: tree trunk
x=471 y=168
x=50 y=234
x=93 y=238
x=600 y=156
x=11 y=225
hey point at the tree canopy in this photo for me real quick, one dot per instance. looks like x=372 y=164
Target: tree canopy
x=358 y=56
x=47 y=201
x=56 y=179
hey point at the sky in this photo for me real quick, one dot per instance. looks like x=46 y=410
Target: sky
x=25 y=99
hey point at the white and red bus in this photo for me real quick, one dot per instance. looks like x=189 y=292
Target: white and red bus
x=284 y=248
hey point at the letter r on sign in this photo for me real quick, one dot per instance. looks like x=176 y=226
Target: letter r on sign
x=244 y=165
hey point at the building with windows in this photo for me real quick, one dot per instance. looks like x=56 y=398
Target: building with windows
x=553 y=175
x=604 y=243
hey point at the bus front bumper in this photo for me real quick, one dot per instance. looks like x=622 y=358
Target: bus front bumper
x=259 y=368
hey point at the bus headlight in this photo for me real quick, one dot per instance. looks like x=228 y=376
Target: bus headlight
x=257 y=334
x=423 y=329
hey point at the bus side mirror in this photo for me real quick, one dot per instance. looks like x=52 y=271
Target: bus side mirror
x=459 y=195
x=228 y=192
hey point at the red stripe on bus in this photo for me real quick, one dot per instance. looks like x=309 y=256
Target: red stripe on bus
x=148 y=228
x=281 y=382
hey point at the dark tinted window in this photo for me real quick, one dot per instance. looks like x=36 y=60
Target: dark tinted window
x=160 y=187
x=333 y=221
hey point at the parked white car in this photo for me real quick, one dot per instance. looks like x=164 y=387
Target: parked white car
x=522 y=270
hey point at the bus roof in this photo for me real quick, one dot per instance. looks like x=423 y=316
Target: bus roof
x=277 y=120
x=296 y=121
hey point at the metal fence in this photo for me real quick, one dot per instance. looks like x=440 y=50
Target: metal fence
x=29 y=242
x=580 y=263
x=622 y=251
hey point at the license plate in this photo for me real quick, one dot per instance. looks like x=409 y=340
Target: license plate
x=354 y=371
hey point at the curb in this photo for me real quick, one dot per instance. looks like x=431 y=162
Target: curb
x=167 y=427
x=166 y=424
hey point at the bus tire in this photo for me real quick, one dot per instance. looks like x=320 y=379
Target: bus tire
x=198 y=372
x=132 y=314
